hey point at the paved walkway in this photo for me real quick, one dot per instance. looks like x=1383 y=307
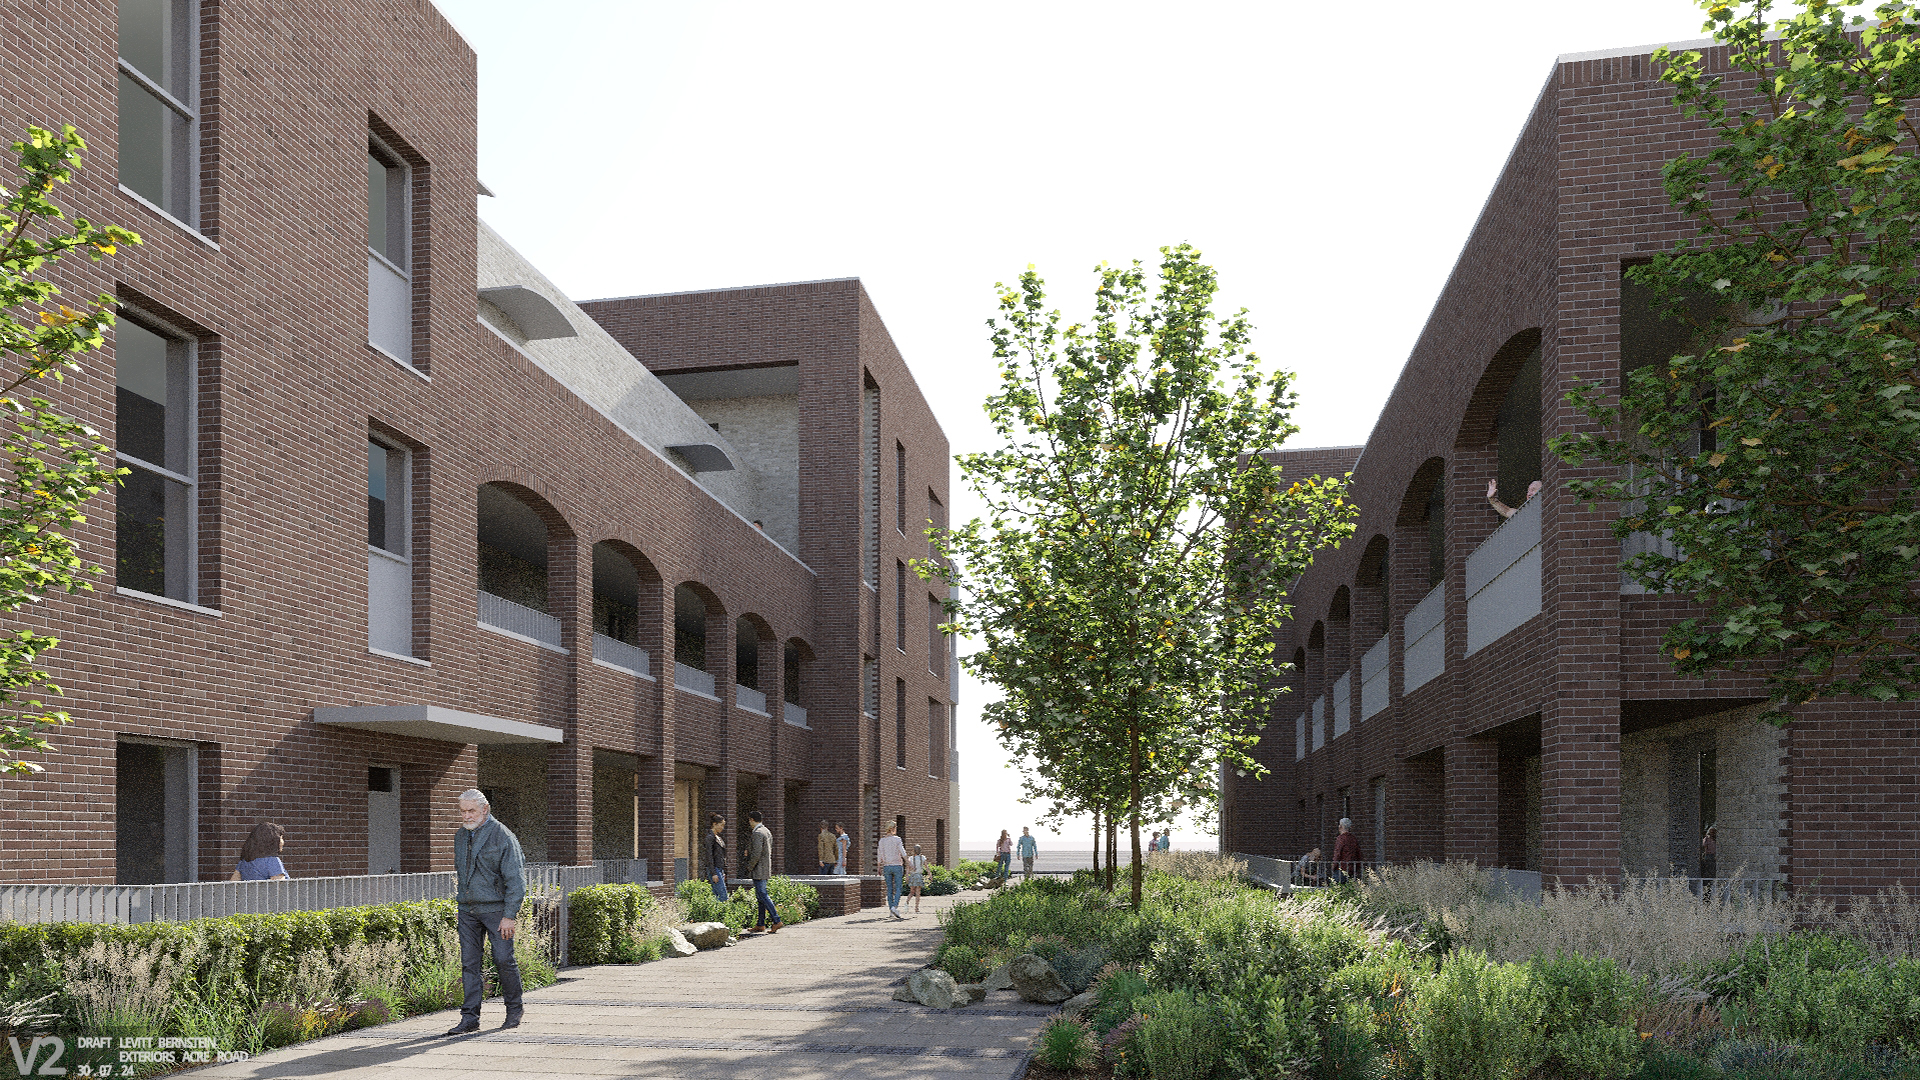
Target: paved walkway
x=813 y=1001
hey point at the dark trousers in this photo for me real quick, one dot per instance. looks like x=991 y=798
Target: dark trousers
x=765 y=914
x=476 y=927
x=826 y=868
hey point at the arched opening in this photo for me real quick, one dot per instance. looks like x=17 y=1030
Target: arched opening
x=749 y=633
x=699 y=629
x=1517 y=432
x=1297 y=702
x=796 y=664
x=1317 y=672
x=622 y=582
x=514 y=537
x=1372 y=600
x=1339 y=661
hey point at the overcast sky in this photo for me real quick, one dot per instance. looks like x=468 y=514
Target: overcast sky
x=1329 y=168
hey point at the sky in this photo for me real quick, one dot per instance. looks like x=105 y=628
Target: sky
x=1328 y=162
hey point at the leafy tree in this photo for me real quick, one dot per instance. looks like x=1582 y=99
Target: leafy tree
x=1137 y=546
x=1779 y=457
x=56 y=463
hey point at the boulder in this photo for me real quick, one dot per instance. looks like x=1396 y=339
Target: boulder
x=998 y=979
x=1035 y=980
x=901 y=993
x=936 y=989
x=1079 y=1005
x=705 y=935
x=974 y=991
x=677 y=944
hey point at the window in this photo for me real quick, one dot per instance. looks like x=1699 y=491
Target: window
x=936 y=517
x=153 y=421
x=900 y=606
x=790 y=673
x=389 y=569
x=870 y=687
x=936 y=641
x=936 y=739
x=155 y=811
x=900 y=487
x=158 y=137
x=389 y=246
x=900 y=723
x=870 y=486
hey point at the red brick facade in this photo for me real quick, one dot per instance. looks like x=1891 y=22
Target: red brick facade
x=271 y=286
x=1513 y=754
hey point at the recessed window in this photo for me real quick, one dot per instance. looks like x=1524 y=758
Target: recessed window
x=936 y=641
x=936 y=739
x=900 y=723
x=900 y=606
x=870 y=686
x=389 y=253
x=153 y=416
x=157 y=115
x=389 y=569
x=900 y=487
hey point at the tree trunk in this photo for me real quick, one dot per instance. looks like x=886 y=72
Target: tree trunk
x=1133 y=809
x=1096 y=843
x=1113 y=849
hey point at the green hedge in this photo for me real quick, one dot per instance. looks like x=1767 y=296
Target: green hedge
x=795 y=902
x=603 y=922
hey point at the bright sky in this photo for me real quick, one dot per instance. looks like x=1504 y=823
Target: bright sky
x=1329 y=162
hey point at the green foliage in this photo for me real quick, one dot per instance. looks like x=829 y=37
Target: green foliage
x=1066 y=1045
x=1475 y=1020
x=603 y=923
x=55 y=463
x=1137 y=546
x=1589 y=1007
x=1777 y=455
x=1117 y=989
x=961 y=962
x=1177 y=1039
x=794 y=901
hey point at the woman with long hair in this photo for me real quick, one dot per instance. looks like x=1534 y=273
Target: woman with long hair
x=260 y=855
x=1003 y=855
x=916 y=876
x=713 y=853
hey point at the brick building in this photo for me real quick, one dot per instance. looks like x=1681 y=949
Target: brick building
x=1478 y=688
x=402 y=519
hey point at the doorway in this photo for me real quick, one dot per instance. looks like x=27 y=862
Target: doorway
x=155 y=813
x=383 y=820
x=688 y=782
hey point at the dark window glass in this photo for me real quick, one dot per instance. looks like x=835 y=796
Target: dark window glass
x=140 y=396
x=900 y=723
x=376 y=495
x=1437 y=532
x=900 y=606
x=140 y=533
x=689 y=628
x=746 y=655
x=1518 y=432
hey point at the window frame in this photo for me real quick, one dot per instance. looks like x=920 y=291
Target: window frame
x=401 y=190
x=399 y=498
x=184 y=29
x=185 y=386
x=900 y=724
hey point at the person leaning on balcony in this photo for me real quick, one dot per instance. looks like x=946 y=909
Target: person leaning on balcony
x=1346 y=852
x=1505 y=511
x=260 y=855
x=829 y=846
x=490 y=884
x=713 y=854
x=1029 y=849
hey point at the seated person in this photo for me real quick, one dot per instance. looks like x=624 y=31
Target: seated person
x=1309 y=870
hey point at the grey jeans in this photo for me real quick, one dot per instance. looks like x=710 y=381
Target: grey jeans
x=477 y=927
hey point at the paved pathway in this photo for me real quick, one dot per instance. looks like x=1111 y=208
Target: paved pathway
x=813 y=1001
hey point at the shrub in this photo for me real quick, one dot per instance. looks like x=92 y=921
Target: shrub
x=961 y=962
x=1176 y=1039
x=1066 y=1045
x=1589 y=1007
x=1197 y=866
x=795 y=902
x=1384 y=981
x=1117 y=988
x=1212 y=950
x=1477 y=1020
x=608 y=923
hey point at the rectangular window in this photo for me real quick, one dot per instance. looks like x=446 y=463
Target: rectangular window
x=900 y=606
x=870 y=687
x=158 y=123
x=900 y=487
x=936 y=641
x=870 y=487
x=155 y=811
x=153 y=422
x=389 y=567
x=936 y=517
x=936 y=738
x=900 y=723
x=389 y=251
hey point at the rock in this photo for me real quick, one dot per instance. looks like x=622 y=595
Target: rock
x=1079 y=1005
x=677 y=943
x=705 y=935
x=998 y=980
x=901 y=993
x=974 y=991
x=1036 y=981
x=936 y=989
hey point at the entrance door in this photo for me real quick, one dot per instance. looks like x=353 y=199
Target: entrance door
x=686 y=813
x=383 y=821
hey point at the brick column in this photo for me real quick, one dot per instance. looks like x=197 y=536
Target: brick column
x=1473 y=800
x=570 y=764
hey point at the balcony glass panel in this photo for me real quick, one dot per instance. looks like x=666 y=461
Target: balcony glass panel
x=389 y=603
x=693 y=680
x=1425 y=632
x=389 y=309
x=1342 y=704
x=750 y=699
x=617 y=653
x=1503 y=578
x=1373 y=679
x=1300 y=736
x=793 y=714
x=500 y=613
x=1319 y=723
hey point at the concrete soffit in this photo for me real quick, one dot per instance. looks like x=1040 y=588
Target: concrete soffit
x=537 y=317
x=437 y=723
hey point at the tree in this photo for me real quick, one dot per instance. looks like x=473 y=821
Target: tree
x=1133 y=561
x=56 y=463
x=1779 y=458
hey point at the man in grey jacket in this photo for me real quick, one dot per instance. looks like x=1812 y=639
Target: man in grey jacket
x=760 y=868
x=488 y=869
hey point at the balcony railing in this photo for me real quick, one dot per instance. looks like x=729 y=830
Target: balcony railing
x=793 y=714
x=1503 y=578
x=693 y=680
x=1373 y=679
x=1425 y=633
x=616 y=653
x=500 y=613
x=750 y=699
x=1342 y=704
x=389 y=309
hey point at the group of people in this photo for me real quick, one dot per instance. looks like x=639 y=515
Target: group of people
x=1311 y=869
x=1028 y=849
x=713 y=853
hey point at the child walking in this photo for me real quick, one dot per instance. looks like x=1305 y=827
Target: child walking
x=916 y=876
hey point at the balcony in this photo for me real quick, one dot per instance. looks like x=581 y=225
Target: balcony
x=503 y=616
x=793 y=714
x=1373 y=679
x=1342 y=704
x=694 y=681
x=613 y=653
x=750 y=699
x=389 y=309
x=1425 y=632
x=1503 y=578
x=1319 y=722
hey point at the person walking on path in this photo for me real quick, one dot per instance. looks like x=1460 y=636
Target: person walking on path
x=829 y=848
x=1346 y=852
x=1153 y=844
x=713 y=853
x=490 y=884
x=841 y=842
x=893 y=866
x=1166 y=839
x=260 y=855
x=1003 y=855
x=760 y=868
x=1029 y=849
x=916 y=875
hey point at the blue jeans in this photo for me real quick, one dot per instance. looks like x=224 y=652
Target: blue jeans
x=765 y=914
x=476 y=928
x=893 y=876
x=720 y=887
x=1006 y=865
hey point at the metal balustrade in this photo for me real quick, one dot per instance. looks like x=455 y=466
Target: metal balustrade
x=500 y=613
x=750 y=699
x=629 y=658
x=693 y=679
x=793 y=714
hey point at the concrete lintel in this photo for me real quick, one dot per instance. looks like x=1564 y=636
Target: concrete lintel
x=435 y=722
